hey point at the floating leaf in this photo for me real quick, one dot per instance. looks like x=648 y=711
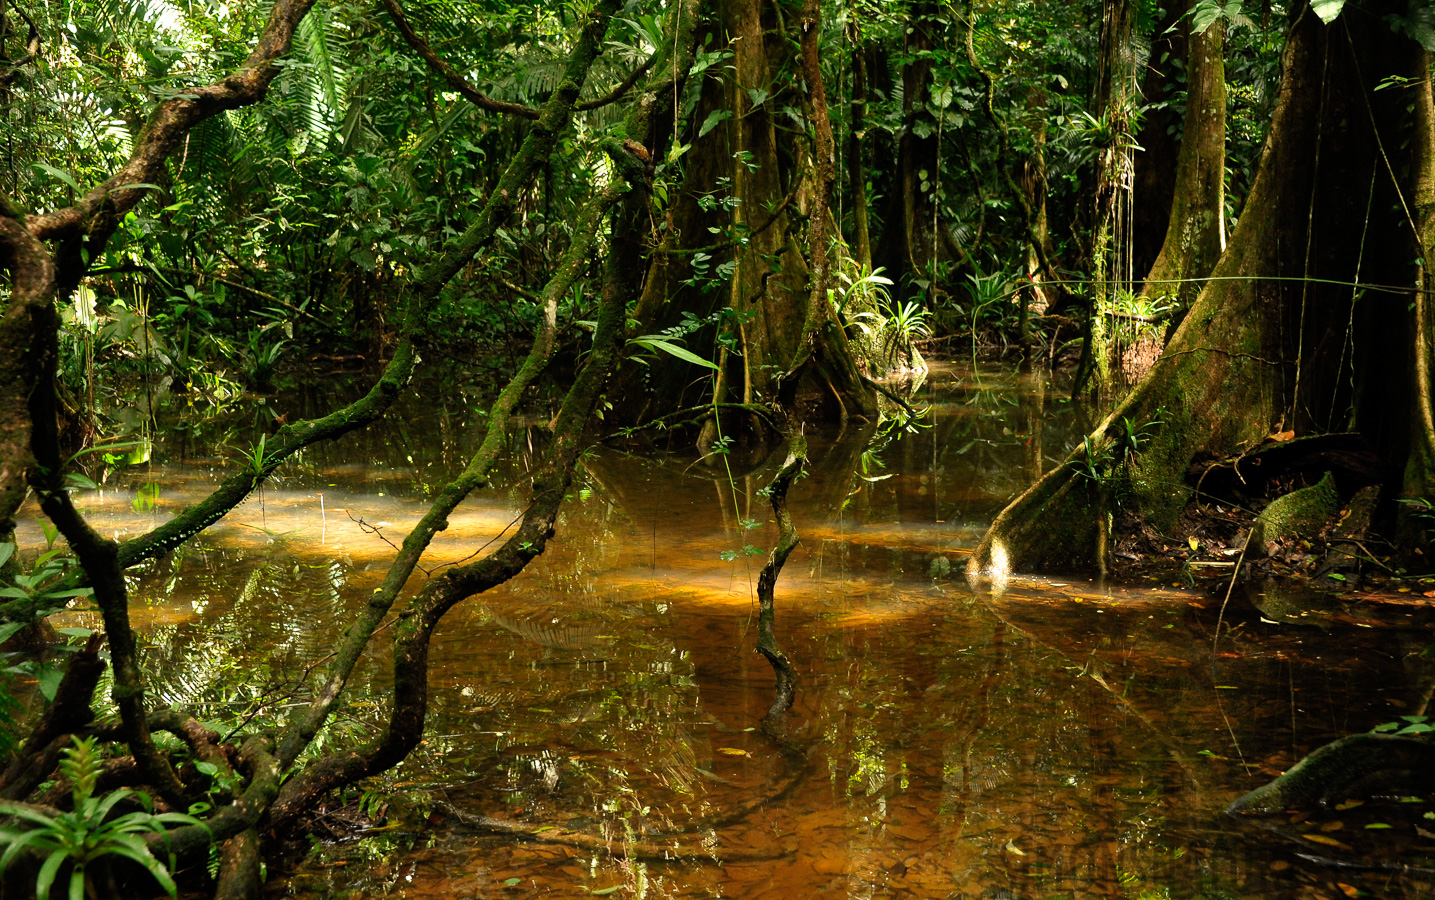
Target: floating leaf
x=512 y=881
x=1376 y=826
x=1348 y=890
x=1327 y=841
x=603 y=892
x=1011 y=847
x=732 y=751
x=1349 y=804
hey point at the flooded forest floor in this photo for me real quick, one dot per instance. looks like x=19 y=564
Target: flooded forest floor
x=1067 y=738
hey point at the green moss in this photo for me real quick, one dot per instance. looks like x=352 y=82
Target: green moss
x=1297 y=514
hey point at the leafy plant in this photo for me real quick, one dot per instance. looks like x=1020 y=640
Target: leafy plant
x=1406 y=725
x=1421 y=508
x=49 y=584
x=86 y=838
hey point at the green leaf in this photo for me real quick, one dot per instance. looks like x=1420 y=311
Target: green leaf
x=49 y=679
x=1328 y=10
x=6 y=551
x=47 y=874
x=603 y=892
x=1376 y=826
x=58 y=175
x=512 y=881
x=714 y=119
x=9 y=629
x=656 y=342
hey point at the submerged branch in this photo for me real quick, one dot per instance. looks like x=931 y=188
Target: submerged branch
x=786 y=689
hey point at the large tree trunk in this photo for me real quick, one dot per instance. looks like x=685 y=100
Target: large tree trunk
x=856 y=165
x=1195 y=226
x=1420 y=472
x=1195 y=232
x=1155 y=176
x=1263 y=348
x=1111 y=215
x=910 y=229
x=768 y=282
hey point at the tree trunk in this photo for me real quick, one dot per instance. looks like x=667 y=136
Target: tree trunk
x=1261 y=351
x=1420 y=472
x=1196 y=232
x=1111 y=216
x=759 y=273
x=1155 y=176
x=910 y=220
x=856 y=167
x=1195 y=229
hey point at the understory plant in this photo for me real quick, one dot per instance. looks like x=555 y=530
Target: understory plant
x=86 y=839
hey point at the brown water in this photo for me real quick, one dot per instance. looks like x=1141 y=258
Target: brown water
x=1065 y=740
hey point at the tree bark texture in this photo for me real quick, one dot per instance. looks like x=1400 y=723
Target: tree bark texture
x=1195 y=232
x=1195 y=221
x=1258 y=353
x=1420 y=471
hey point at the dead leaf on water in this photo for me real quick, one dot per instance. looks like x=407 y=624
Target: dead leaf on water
x=1348 y=890
x=1327 y=841
x=1348 y=804
x=1011 y=847
x=1333 y=826
x=732 y=751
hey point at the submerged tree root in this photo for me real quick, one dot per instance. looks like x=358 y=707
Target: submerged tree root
x=647 y=850
x=774 y=723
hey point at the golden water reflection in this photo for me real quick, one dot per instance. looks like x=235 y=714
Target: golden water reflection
x=1067 y=740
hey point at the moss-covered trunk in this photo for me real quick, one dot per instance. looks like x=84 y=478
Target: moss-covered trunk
x=1195 y=231
x=1271 y=343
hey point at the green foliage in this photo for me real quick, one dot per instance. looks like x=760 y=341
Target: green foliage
x=51 y=583
x=1208 y=12
x=1107 y=461
x=1421 y=508
x=1406 y=725
x=87 y=839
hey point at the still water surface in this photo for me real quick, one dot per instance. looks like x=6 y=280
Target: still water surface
x=1067 y=739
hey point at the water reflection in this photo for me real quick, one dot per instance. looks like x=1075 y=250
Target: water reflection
x=1063 y=740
